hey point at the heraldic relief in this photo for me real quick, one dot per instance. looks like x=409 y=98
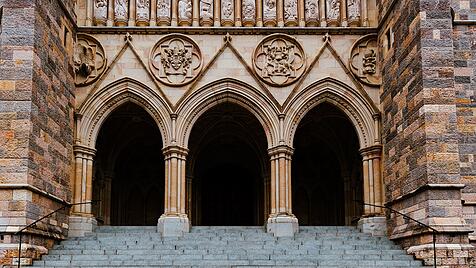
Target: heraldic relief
x=176 y=60
x=279 y=60
x=363 y=60
x=89 y=60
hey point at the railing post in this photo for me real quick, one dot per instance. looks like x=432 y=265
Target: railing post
x=434 y=249
x=19 y=250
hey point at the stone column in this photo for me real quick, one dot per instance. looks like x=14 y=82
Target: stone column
x=82 y=221
x=108 y=177
x=89 y=12
x=373 y=221
x=174 y=221
x=280 y=12
x=110 y=13
x=153 y=13
x=281 y=221
x=132 y=12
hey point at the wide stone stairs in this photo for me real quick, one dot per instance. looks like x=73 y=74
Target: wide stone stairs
x=328 y=246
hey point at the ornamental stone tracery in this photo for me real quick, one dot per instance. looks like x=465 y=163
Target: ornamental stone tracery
x=89 y=60
x=176 y=60
x=363 y=60
x=279 y=60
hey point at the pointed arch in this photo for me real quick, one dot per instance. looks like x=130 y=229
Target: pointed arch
x=360 y=111
x=222 y=91
x=95 y=110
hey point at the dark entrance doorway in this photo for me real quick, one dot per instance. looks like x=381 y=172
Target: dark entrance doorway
x=228 y=164
x=129 y=169
x=326 y=169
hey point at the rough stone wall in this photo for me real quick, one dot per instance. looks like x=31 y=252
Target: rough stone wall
x=36 y=120
x=421 y=151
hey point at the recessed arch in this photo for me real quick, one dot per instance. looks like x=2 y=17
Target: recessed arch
x=360 y=111
x=222 y=91
x=97 y=107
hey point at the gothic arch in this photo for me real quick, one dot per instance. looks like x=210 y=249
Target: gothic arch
x=227 y=90
x=97 y=107
x=359 y=109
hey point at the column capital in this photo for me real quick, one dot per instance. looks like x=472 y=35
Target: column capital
x=176 y=150
x=281 y=149
x=371 y=151
x=84 y=150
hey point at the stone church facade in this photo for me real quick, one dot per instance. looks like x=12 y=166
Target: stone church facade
x=275 y=113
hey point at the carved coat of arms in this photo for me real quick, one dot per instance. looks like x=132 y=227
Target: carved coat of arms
x=363 y=60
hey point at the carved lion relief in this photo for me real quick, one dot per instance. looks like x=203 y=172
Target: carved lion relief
x=175 y=60
x=363 y=60
x=279 y=60
x=89 y=60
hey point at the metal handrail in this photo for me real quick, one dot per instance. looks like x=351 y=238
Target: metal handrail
x=20 y=232
x=405 y=216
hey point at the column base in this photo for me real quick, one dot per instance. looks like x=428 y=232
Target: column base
x=282 y=225
x=376 y=225
x=81 y=225
x=173 y=225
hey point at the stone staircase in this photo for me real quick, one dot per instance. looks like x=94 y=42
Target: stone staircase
x=227 y=247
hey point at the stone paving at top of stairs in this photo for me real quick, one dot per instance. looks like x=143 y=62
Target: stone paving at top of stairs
x=323 y=246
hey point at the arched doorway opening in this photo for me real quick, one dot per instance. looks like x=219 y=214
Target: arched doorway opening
x=129 y=169
x=326 y=169
x=228 y=168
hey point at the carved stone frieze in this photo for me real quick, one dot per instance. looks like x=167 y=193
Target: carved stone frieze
x=227 y=12
x=89 y=60
x=363 y=60
x=279 y=60
x=176 y=60
x=121 y=12
x=333 y=12
x=206 y=12
x=185 y=12
x=100 y=12
x=269 y=12
x=142 y=12
x=163 y=12
x=290 y=12
x=249 y=12
x=311 y=12
x=353 y=12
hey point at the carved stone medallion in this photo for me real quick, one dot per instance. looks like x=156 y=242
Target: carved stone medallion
x=176 y=60
x=363 y=60
x=279 y=60
x=89 y=60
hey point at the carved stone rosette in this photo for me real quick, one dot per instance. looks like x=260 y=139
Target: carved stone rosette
x=121 y=12
x=176 y=60
x=353 y=12
x=333 y=12
x=185 y=12
x=227 y=12
x=89 y=60
x=269 y=13
x=279 y=60
x=142 y=12
x=290 y=12
x=248 y=12
x=206 y=12
x=363 y=60
x=163 y=12
x=100 y=12
x=311 y=12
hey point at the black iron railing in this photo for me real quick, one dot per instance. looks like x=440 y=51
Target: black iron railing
x=21 y=231
x=405 y=216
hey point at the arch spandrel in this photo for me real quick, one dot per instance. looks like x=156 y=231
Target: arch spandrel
x=222 y=91
x=357 y=108
x=96 y=109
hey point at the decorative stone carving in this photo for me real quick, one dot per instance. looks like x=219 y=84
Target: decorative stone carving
x=163 y=12
x=176 y=60
x=311 y=12
x=290 y=12
x=269 y=12
x=363 y=60
x=249 y=12
x=279 y=60
x=120 y=12
x=333 y=12
x=227 y=12
x=206 y=12
x=142 y=12
x=100 y=12
x=89 y=60
x=185 y=12
x=353 y=12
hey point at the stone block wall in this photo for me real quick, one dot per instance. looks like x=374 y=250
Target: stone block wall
x=36 y=121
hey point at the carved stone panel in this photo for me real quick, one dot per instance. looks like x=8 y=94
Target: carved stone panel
x=163 y=12
x=100 y=12
x=121 y=12
x=89 y=60
x=353 y=12
x=333 y=12
x=176 y=60
x=364 y=60
x=290 y=12
x=249 y=12
x=227 y=12
x=142 y=12
x=269 y=12
x=185 y=12
x=206 y=12
x=279 y=60
x=311 y=12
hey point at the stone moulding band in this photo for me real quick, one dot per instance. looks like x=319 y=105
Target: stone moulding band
x=435 y=186
x=35 y=190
